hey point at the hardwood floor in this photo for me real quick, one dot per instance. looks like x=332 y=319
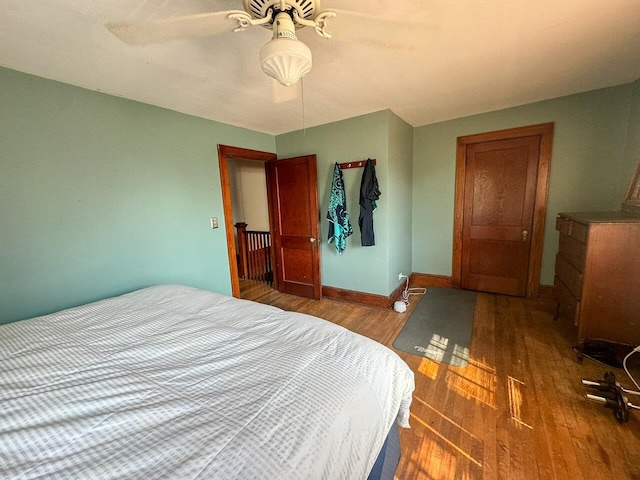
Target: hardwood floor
x=517 y=411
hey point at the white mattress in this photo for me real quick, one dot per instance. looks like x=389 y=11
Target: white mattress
x=174 y=382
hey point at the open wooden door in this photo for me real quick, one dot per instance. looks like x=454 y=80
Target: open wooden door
x=292 y=188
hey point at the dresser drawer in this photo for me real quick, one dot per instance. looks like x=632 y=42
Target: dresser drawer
x=573 y=252
x=571 y=277
x=572 y=229
x=568 y=304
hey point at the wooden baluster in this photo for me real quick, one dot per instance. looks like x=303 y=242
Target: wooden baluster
x=241 y=228
x=269 y=268
x=259 y=255
x=252 y=267
x=263 y=264
x=250 y=254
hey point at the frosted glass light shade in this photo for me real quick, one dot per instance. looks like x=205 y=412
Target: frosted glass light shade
x=286 y=60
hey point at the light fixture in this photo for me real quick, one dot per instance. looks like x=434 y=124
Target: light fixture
x=285 y=58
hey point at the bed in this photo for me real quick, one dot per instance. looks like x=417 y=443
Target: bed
x=175 y=382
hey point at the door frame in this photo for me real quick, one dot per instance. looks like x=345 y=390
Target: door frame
x=226 y=152
x=545 y=131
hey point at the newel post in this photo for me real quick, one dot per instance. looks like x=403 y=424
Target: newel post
x=241 y=228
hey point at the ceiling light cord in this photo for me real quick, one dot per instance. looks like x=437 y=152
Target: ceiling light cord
x=304 y=127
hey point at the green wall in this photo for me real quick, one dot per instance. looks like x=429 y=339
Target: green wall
x=587 y=167
x=400 y=188
x=632 y=144
x=382 y=136
x=101 y=195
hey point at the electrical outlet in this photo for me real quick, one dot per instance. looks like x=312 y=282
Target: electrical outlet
x=214 y=222
x=400 y=276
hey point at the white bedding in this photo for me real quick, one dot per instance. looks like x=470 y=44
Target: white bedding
x=175 y=382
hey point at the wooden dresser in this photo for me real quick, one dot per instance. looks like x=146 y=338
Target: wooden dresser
x=597 y=275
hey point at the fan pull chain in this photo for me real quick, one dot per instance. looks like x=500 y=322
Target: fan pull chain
x=304 y=128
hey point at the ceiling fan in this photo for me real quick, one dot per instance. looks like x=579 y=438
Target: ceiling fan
x=284 y=57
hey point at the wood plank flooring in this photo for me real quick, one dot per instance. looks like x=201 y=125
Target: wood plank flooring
x=517 y=411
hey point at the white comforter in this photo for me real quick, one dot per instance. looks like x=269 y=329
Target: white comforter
x=174 y=382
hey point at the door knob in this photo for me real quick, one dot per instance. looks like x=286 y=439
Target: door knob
x=524 y=234
x=312 y=240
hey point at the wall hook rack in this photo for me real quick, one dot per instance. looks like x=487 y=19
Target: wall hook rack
x=358 y=164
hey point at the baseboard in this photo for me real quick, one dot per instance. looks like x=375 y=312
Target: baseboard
x=369 y=299
x=397 y=293
x=419 y=280
x=424 y=280
x=373 y=300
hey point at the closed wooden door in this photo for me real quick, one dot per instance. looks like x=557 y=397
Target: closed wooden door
x=499 y=204
x=293 y=192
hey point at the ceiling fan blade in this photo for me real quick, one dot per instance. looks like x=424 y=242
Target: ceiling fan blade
x=369 y=29
x=172 y=28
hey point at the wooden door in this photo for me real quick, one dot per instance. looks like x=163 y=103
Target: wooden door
x=500 y=186
x=293 y=191
x=495 y=200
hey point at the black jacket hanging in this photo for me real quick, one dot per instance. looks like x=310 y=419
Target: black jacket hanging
x=369 y=193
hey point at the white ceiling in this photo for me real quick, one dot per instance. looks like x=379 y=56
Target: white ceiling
x=426 y=60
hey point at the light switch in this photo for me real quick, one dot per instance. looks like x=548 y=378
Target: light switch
x=214 y=222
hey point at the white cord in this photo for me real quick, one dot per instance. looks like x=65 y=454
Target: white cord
x=624 y=364
x=304 y=128
x=411 y=291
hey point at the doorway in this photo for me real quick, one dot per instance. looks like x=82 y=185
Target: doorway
x=250 y=205
x=292 y=197
x=225 y=153
x=500 y=209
